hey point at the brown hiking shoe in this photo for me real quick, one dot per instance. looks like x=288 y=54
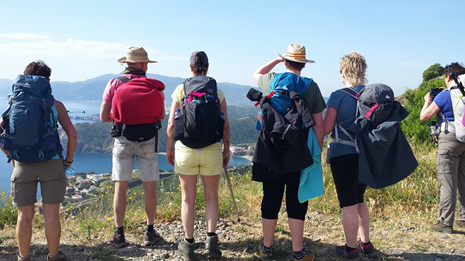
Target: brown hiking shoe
x=460 y=223
x=266 y=253
x=212 y=247
x=118 y=240
x=151 y=237
x=439 y=227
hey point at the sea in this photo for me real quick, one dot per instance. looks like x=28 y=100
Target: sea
x=95 y=162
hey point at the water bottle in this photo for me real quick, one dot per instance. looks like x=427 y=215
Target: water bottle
x=68 y=170
x=177 y=113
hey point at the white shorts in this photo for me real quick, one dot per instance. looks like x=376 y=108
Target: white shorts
x=124 y=153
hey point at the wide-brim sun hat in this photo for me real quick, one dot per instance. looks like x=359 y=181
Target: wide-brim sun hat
x=136 y=55
x=296 y=53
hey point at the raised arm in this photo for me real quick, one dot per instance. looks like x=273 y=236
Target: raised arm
x=429 y=108
x=68 y=127
x=266 y=68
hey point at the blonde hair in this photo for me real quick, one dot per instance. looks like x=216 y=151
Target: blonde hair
x=354 y=66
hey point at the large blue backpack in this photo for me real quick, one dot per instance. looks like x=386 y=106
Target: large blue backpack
x=280 y=88
x=30 y=128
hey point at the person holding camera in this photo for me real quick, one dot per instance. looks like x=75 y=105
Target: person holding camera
x=451 y=152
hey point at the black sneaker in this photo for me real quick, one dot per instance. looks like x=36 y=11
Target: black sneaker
x=59 y=257
x=342 y=252
x=369 y=251
x=151 y=237
x=118 y=240
x=186 y=249
x=212 y=247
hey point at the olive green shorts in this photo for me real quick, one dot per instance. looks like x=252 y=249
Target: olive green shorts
x=25 y=177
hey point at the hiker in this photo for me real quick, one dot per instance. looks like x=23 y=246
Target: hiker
x=198 y=149
x=135 y=103
x=286 y=177
x=451 y=152
x=39 y=161
x=343 y=158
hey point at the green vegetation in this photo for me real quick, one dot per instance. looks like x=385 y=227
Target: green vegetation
x=95 y=137
x=413 y=101
x=8 y=213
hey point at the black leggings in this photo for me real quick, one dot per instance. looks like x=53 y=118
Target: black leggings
x=273 y=197
x=345 y=175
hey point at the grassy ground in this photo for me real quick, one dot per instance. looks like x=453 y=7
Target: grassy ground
x=401 y=217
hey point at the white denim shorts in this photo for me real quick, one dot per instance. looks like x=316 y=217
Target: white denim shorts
x=124 y=154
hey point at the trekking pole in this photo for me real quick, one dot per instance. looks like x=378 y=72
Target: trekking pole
x=232 y=193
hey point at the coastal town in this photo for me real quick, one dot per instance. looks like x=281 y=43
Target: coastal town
x=85 y=187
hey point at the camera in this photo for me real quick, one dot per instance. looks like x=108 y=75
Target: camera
x=435 y=91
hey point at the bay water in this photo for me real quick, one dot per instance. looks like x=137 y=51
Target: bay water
x=98 y=163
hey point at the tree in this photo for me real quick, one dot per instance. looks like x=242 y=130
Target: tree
x=434 y=71
x=414 y=99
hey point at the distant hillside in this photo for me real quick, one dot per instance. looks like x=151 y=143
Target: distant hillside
x=92 y=89
x=95 y=137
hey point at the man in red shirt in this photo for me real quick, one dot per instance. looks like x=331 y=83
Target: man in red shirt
x=135 y=135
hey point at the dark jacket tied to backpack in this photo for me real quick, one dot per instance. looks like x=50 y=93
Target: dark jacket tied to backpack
x=282 y=144
x=385 y=154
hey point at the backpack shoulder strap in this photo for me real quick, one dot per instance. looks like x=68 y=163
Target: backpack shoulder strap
x=124 y=79
x=351 y=92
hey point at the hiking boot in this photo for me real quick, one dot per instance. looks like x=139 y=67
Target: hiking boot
x=439 y=227
x=186 y=249
x=59 y=257
x=266 y=253
x=308 y=255
x=212 y=247
x=20 y=258
x=118 y=240
x=151 y=237
x=460 y=223
x=369 y=251
x=342 y=252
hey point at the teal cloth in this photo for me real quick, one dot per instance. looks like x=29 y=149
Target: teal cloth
x=311 y=178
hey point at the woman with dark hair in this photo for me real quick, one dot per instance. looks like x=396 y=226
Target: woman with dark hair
x=189 y=160
x=451 y=152
x=50 y=173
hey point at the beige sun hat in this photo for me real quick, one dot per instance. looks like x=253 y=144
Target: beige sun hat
x=136 y=55
x=296 y=53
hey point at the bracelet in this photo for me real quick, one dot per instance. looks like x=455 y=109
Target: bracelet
x=70 y=162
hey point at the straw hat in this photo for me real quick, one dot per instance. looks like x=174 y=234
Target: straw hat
x=136 y=55
x=296 y=53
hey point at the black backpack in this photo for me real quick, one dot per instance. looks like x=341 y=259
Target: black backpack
x=199 y=122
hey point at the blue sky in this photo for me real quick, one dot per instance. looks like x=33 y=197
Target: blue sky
x=83 y=39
